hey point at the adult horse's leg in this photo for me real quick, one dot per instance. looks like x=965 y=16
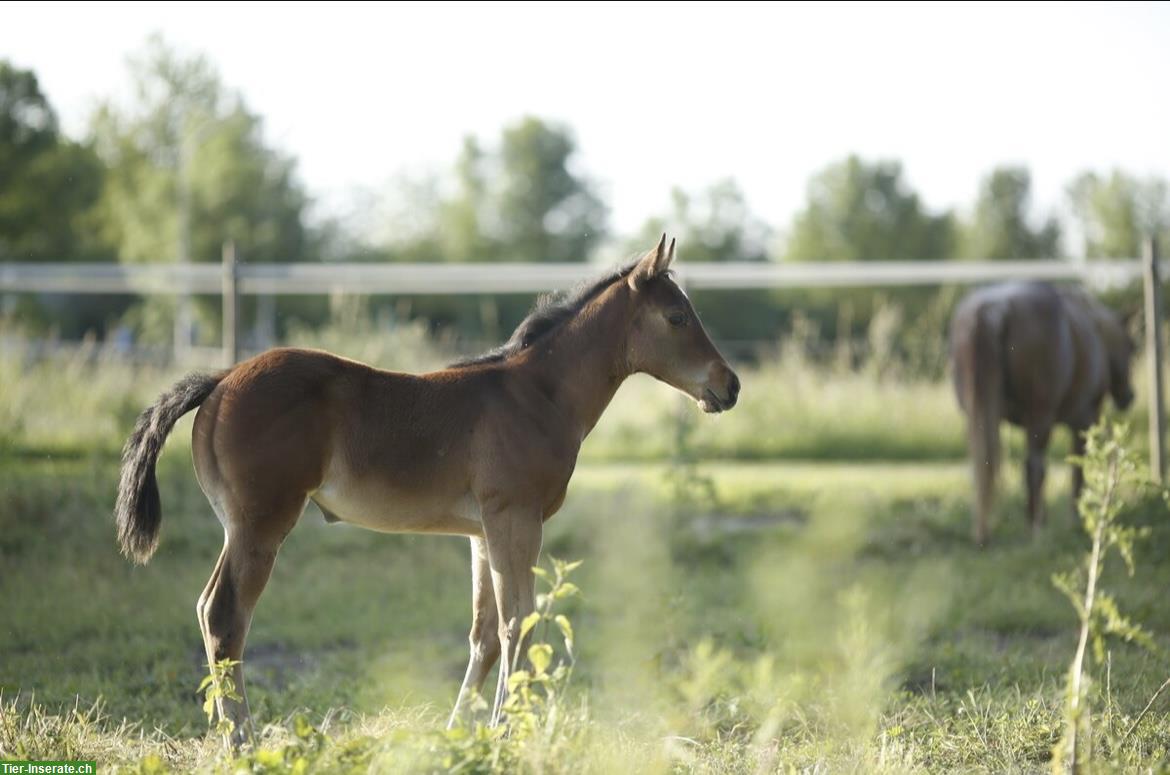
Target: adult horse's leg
x=1078 y=473
x=226 y=605
x=513 y=542
x=484 y=637
x=1034 y=469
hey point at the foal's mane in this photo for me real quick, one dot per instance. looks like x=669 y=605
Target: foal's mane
x=549 y=313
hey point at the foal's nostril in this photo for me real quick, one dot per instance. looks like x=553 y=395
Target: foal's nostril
x=732 y=391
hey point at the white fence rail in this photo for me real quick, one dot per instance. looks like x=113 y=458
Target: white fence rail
x=446 y=279
x=231 y=279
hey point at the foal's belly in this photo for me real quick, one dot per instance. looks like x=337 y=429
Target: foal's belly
x=385 y=507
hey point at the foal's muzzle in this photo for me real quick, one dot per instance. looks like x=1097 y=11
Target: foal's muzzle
x=720 y=401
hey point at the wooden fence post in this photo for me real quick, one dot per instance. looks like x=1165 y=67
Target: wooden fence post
x=1153 y=320
x=231 y=305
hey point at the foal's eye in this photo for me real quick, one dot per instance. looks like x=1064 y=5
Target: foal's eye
x=677 y=319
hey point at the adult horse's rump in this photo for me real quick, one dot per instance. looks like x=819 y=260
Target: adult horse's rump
x=1035 y=355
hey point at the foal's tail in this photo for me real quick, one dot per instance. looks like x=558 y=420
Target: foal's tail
x=138 y=510
x=984 y=409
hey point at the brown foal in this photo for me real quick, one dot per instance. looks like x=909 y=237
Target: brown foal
x=483 y=449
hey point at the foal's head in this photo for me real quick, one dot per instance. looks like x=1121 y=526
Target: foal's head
x=666 y=339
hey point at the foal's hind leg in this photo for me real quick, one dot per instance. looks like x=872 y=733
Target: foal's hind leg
x=201 y=603
x=484 y=637
x=226 y=605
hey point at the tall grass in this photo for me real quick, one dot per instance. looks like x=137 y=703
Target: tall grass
x=854 y=629
x=83 y=400
x=735 y=617
x=803 y=400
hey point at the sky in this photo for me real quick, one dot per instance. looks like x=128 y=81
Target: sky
x=657 y=94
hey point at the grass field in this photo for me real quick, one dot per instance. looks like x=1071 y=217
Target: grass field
x=738 y=614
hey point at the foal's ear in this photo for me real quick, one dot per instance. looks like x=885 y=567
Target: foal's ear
x=654 y=263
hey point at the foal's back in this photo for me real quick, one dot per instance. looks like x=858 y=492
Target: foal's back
x=290 y=424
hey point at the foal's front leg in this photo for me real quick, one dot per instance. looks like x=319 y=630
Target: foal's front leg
x=513 y=544
x=484 y=637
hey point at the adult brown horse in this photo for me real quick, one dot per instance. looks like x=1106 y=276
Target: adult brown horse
x=1035 y=355
x=483 y=449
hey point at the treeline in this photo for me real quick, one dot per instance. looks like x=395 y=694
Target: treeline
x=185 y=166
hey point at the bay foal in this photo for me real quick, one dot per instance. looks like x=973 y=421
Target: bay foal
x=483 y=449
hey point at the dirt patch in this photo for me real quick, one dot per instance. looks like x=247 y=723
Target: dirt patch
x=274 y=665
x=710 y=526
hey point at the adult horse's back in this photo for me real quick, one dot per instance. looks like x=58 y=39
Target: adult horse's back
x=1036 y=356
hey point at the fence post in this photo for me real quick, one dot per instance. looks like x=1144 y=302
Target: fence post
x=231 y=305
x=1153 y=320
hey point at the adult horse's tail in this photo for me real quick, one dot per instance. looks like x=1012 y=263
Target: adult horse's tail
x=984 y=402
x=138 y=510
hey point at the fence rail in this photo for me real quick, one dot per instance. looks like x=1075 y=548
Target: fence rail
x=231 y=279
x=447 y=279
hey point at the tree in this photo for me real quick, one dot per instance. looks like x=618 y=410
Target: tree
x=463 y=219
x=48 y=183
x=1116 y=213
x=517 y=200
x=712 y=225
x=189 y=169
x=521 y=201
x=1000 y=226
x=546 y=212
x=861 y=211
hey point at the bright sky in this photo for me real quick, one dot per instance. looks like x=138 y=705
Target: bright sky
x=658 y=94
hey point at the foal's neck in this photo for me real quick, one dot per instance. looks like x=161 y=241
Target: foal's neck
x=585 y=361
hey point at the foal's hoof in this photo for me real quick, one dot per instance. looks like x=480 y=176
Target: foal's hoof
x=237 y=740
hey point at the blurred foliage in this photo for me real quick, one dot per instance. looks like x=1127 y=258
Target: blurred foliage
x=186 y=149
x=517 y=200
x=1000 y=228
x=862 y=211
x=190 y=145
x=826 y=618
x=715 y=224
x=1113 y=475
x=48 y=183
x=187 y=168
x=535 y=208
x=49 y=189
x=1116 y=212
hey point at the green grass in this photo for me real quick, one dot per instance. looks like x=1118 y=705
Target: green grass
x=791 y=410
x=790 y=585
x=805 y=615
x=82 y=404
